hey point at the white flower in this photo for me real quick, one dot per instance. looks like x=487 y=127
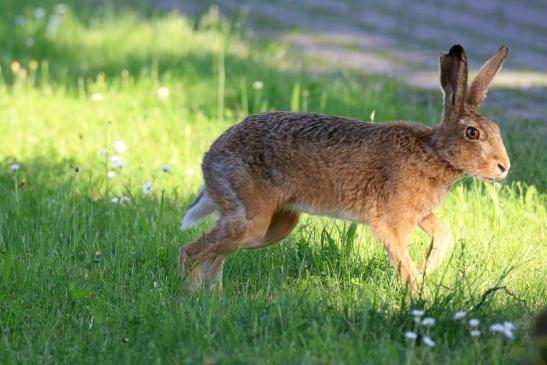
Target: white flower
x=39 y=13
x=508 y=333
x=115 y=200
x=411 y=335
x=117 y=162
x=53 y=24
x=20 y=20
x=97 y=97
x=111 y=174
x=166 y=168
x=124 y=200
x=506 y=328
x=497 y=327
x=29 y=42
x=147 y=187
x=475 y=333
x=428 y=321
x=155 y=284
x=459 y=315
x=14 y=167
x=258 y=85
x=417 y=312
x=474 y=322
x=190 y=172
x=428 y=341
x=120 y=146
x=61 y=8
x=163 y=92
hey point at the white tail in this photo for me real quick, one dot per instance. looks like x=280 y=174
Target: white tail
x=202 y=207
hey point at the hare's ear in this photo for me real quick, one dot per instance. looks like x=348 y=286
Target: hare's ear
x=479 y=86
x=453 y=67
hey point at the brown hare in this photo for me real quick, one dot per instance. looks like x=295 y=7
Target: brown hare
x=263 y=172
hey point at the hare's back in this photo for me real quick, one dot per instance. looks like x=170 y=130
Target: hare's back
x=280 y=146
x=290 y=132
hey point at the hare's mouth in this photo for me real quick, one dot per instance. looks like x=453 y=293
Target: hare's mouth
x=489 y=179
x=484 y=178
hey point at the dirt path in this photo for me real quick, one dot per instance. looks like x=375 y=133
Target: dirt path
x=403 y=39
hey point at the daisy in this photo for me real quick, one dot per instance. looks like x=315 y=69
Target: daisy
x=39 y=13
x=61 y=8
x=497 y=327
x=459 y=315
x=258 y=85
x=411 y=335
x=53 y=24
x=428 y=321
x=147 y=187
x=163 y=93
x=428 y=341
x=508 y=333
x=166 y=168
x=97 y=97
x=20 y=20
x=474 y=322
x=120 y=146
x=14 y=167
x=117 y=162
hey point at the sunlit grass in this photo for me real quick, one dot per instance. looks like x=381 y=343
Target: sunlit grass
x=87 y=280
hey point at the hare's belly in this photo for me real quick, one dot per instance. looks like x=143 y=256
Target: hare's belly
x=347 y=215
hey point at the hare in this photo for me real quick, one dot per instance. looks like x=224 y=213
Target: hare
x=263 y=172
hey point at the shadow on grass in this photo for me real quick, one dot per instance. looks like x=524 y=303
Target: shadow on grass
x=75 y=256
x=62 y=208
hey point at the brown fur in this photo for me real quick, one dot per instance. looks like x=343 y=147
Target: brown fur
x=261 y=173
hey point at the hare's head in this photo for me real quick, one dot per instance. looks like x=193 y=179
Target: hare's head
x=465 y=139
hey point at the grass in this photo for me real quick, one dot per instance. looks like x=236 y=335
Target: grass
x=85 y=280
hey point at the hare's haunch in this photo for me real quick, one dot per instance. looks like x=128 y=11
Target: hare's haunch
x=263 y=172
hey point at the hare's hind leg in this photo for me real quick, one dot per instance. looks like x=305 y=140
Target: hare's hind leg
x=242 y=223
x=441 y=244
x=281 y=225
x=195 y=274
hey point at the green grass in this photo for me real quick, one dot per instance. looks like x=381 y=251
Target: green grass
x=84 y=280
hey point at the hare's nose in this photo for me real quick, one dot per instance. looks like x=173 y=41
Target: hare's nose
x=503 y=170
x=501 y=167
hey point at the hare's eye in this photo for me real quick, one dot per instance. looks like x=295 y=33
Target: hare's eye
x=472 y=133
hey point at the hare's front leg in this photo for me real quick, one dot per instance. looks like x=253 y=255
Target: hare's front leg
x=441 y=242
x=395 y=243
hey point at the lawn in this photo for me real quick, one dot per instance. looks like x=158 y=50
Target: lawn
x=105 y=114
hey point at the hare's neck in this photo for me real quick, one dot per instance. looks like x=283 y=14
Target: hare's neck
x=447 y=174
